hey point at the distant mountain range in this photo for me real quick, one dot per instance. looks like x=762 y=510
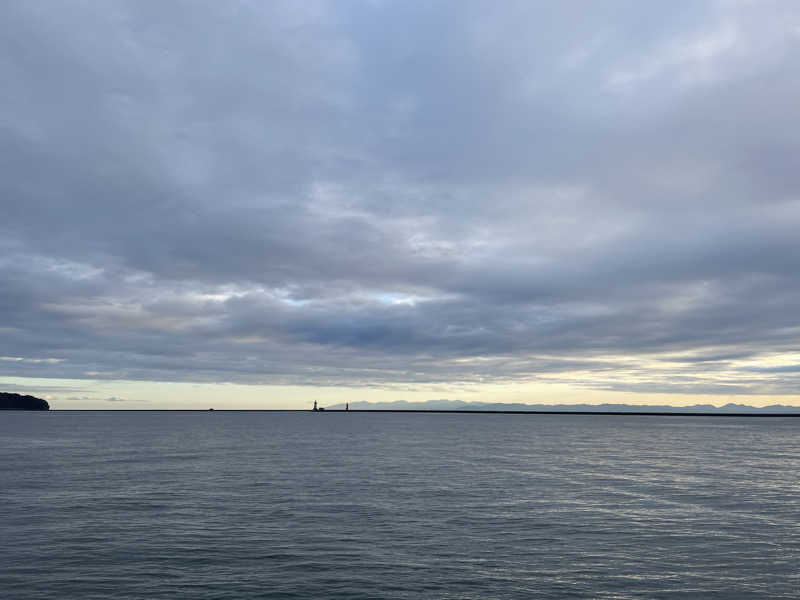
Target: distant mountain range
x=461 y=405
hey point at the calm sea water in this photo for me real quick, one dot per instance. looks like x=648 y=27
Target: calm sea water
x=302 y=505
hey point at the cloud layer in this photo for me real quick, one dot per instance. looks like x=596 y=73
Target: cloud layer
x=388 y=192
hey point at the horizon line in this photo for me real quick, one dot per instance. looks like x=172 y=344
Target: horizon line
x=436 y=411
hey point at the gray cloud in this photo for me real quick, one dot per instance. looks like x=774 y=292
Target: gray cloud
x=116 y=399
x=40 y=389
x=372 y=193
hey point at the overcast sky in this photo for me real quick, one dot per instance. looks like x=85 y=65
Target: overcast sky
x=405 y=197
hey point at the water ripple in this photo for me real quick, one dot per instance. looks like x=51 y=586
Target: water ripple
x=298 y=505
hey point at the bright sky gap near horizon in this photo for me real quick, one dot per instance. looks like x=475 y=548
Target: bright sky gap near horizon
x=253 y=205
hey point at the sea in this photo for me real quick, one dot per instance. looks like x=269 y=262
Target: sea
x=239 y=505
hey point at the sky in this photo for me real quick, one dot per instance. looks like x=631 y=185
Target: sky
x=259 y=204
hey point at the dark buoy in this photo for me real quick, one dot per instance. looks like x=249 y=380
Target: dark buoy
x=315 y=406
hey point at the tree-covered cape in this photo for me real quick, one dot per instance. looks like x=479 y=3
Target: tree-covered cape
x=19 y=402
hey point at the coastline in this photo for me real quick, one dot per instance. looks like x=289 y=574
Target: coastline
x=445 y=411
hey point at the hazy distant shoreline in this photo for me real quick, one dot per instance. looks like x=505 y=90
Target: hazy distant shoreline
x=481 y=407
x=18 y=402
x=630 y=413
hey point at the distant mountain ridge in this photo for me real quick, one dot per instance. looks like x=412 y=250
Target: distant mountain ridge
x=461 y=405
x=9 y=401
